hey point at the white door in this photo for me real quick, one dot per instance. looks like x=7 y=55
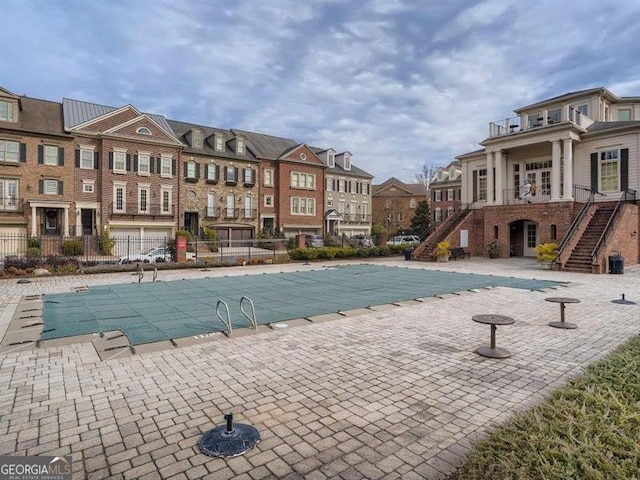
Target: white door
x=530 y=239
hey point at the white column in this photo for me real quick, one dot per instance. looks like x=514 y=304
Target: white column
x=568 y=169
x=465 y=183
x=499 y=178
x=34 y=228
x=490 y=191
x=555 y=170
x=66 y=221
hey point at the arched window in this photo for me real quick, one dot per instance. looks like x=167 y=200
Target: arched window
x=143 y=131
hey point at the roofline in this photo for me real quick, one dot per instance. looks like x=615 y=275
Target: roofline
x=633 y=126
x=566 y=97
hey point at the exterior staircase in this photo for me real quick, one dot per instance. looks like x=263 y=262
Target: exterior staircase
x=580 y=259
x=426 y=250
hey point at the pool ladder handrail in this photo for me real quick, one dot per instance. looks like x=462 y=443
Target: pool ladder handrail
x=252 y=317
x=226 y=322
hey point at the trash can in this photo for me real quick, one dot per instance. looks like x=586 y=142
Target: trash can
x=616 y=263
x=407 y=253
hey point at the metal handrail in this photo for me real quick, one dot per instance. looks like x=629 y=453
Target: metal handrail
x=605 y=232
x=226 y=322
x=251 y=318
x=577 y=220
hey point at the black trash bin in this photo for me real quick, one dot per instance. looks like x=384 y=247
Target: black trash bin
x=407 y=253
x=616 y=263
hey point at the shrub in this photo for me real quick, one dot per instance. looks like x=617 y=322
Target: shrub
x=66 y=269
x=72 y=248
x=33 y=252
x=21 y=263
x=547 y=252
x=106 y=242
x=443 y=249
x=33 y=243
x=210 y=234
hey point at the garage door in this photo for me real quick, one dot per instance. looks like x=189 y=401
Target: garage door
x=126 y=241
x=13 y=240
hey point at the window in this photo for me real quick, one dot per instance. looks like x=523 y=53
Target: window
x=51 y=187
x=482 y=184
x=583 y=109
x=331 y=159
x=50 y=155
x=240 y=146
x=191 y=170
x=303 y=206
x=329 y=203
x=545 y=182
x=248 y=176
x=143 y=198
x=165 y=167
x=329 y=186
x=268 y=178
x=437 y=216
x=450 y=195
x=534 y=120
x=412 y=203
x=211 y=205
x=231 y=205
x=268 y=201
x=554 y=116
x=230 y=174
x=437 y=196
x=143 y=164
x=347 y=162
x=6 y=111
x=624 y=114
x=219 y=143
x=212 y=172
x=303 y=180
x=88 y=186
x=86 y=158
x=609 y=171
x=9 y=151
x=8 y=194
x=143 y=131
x=248 y=207
x=119 y=199
x=341 y=185
x=165 y=196
x=119 y=162
x=196 y=138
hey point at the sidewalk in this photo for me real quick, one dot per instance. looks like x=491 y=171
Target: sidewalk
x=393 y=393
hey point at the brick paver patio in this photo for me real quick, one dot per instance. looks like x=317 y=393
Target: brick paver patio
x=392 y=393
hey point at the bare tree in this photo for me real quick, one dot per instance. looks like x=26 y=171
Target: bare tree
x=427 y=175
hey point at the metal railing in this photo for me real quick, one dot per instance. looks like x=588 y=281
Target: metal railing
x=11 y=204
x=627 y=196
x=135 y=210
x=578 y=190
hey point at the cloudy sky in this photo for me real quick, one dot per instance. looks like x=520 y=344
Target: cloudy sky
x=399 y=83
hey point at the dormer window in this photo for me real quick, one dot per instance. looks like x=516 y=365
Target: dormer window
x=331 y=159
x=347 y=162
x=143 y=131
x=196 y=138
x=240 y=146
x=6 y=111
x=219 y=143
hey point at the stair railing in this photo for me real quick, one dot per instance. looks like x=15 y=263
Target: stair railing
x=627 y=196
x=445 y=227
x=576 y=221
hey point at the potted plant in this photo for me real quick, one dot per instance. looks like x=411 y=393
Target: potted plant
x=493 y=248
x=443 y=251
x=547 y=254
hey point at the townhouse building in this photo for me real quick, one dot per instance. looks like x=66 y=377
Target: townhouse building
x=394 y=203
x=347 y=207
x=563 y=170
x=220 y=182
x=445 y=191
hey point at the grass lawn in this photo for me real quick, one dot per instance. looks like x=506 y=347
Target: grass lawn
x=587 y=430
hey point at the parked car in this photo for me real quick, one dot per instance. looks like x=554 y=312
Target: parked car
x=152 y=255
x=361 y=241
x=409 y=240
x=314 y=241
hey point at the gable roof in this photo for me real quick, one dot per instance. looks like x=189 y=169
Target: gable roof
x=568 y=96
x=77 y=112
x=38 y=116
x=266 y=146
x=407 y=188
x=338 y=169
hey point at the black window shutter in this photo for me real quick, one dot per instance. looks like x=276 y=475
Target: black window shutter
x=40 y=154
x=206 y=171
x=197 y=170
x=96 y=160
x=475 y=186
x=110 y=160
x=236 y=173
x=135 y=163
x=173 y=166
x=158 y=169
x=60 y=187
x=225 y=173
x=77 y=158
x=244 y=173
x=624 y=169
x=152 y=164
x=185 y=167
x=253 y=176
x=40 y=187
x=23 y=152
x=128 y=162
x=217 y=172
x=453 y=196
x=594 y=172
x=61 y=156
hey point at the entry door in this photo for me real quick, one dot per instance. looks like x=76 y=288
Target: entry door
x=51 y=221
x=191 y=222
x=87 y=219
x=530 y=239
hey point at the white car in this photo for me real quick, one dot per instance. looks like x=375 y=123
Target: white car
x=152 y=255
x=404 y=240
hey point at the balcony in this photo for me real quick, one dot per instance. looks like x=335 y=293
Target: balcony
x=212 y=212
x=356 y=218
x=152 y=210
x=539 y=120
x=513 y=196
x=11 y=204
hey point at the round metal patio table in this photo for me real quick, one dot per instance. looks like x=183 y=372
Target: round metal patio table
x=494 y=320
x=562 y=301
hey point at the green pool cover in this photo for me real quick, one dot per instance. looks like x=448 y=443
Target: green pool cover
x=152 y=312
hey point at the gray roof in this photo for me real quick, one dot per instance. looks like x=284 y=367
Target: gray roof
x=409 y=188
x=601 y=126
x=564 y=96
x=77 y=112
x=181 y=129
x=266 y=146
x=337 y=169
x=38 y=116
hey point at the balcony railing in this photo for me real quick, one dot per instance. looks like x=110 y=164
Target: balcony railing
x=512 y=196
x=545 y=118
x=356 y=217
x=148 y=210
x=11 y=204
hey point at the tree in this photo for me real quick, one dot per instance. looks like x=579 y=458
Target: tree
x=395 y=216
x=427 y=175
x=421 y=221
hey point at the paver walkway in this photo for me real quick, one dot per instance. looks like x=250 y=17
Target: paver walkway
x=395 y=393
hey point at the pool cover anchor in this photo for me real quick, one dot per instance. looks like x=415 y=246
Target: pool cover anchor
x=155 y=273
x=140 y=273
x=623 y=301
x=229 y=440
